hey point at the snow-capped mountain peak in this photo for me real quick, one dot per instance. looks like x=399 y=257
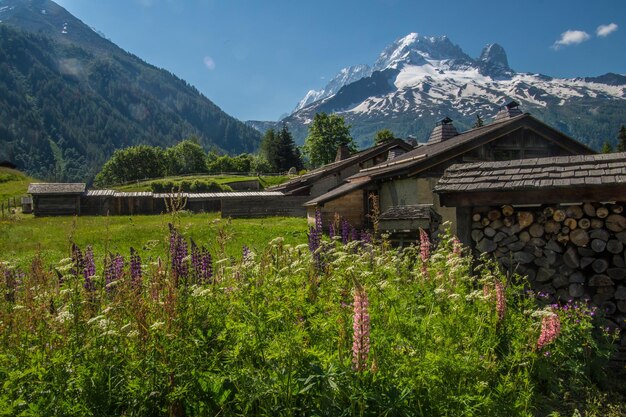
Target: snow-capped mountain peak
x=344 y=77
x=415 y=49
x=418 y=80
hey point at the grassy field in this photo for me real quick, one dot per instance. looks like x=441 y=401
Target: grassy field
x=266 y=181
x=21 y=237
x=13 y=183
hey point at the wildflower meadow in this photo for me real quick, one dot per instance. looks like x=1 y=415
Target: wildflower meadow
x=344 y=325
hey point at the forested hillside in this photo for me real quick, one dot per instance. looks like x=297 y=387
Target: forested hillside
x=65 y=108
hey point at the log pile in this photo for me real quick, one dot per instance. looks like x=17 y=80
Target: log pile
x=568 y=252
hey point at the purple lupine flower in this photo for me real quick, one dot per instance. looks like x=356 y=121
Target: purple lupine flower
x=113 y=270
x=178 y=253
x=196 y=259
x=135 y=269
x=354 y=234
x=318 y=222
x=345 y=231
x=89 y=270
x=331 y=231
x=118 y=266
x=314 y=239
x=424 y=250
x=365 y=237
x=206 y=266
x=245 y=252
x=361 y=328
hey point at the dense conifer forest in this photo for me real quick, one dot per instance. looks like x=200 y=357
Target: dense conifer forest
x=64 y=109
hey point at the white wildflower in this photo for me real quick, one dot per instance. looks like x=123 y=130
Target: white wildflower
x=157 y=325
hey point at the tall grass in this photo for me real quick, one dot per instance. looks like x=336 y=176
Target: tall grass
x=321 y=329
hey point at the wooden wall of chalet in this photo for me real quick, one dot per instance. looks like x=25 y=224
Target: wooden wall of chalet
x=246 y=207
x=411 y=191
x=350 y=206
x=571 y=252
x=56 y=205
x=520 y=144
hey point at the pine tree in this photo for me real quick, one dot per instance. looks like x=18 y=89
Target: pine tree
x=621 y=139
x=383 y=136
x=479 y=122
x=279 y=150
x=607 y=147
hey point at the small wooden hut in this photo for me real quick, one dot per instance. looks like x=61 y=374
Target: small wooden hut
x=56 y=199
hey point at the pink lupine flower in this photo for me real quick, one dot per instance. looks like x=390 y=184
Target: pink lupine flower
x=486 y=291
x=361 y=327
x=457 y=248
x=500 y=300
x=550 y=329
x=424 y=250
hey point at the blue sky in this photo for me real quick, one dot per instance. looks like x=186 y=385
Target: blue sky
x=256 y=59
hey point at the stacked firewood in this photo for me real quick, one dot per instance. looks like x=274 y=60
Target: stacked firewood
x=568 y=252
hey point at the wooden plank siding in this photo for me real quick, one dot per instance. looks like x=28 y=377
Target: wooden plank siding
x=248 y=207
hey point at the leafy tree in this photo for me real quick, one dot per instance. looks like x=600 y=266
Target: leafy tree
x=607 y=147
x=187 y=157
x=239 y=164
x=133 y=163
x=479 y=122
x=326 y=135
x=279 y=150
x=621 y=139
x=383 y=136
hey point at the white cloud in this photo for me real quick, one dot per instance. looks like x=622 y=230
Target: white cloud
x=209 y=62
x=571 y=37
x=606 y=30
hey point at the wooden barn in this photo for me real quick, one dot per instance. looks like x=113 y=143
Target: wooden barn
x=560 y=221
x=409 y=179
x=56 y=199
x=73 y=199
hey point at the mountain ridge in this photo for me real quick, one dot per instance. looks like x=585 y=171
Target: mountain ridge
x=433 y=78
x=69 y=97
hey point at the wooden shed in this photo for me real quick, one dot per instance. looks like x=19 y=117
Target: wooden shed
x=403 y=222
x=560 y=221
x=56 y=199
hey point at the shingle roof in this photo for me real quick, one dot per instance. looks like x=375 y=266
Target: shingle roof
x=56 y=188
x=336 y=192
x=424 y=155
x=554 y=172
x=312 y=176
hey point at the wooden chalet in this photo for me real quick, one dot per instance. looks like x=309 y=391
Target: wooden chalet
x=56 y=199
x=329 y=176
x=409 y=179
x=560 y=221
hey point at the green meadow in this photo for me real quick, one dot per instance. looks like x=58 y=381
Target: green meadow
x=23 y=236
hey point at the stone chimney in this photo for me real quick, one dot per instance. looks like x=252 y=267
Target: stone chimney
x=508 y=111
x=411 y=140
x=343 y=152
x=444 y=130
